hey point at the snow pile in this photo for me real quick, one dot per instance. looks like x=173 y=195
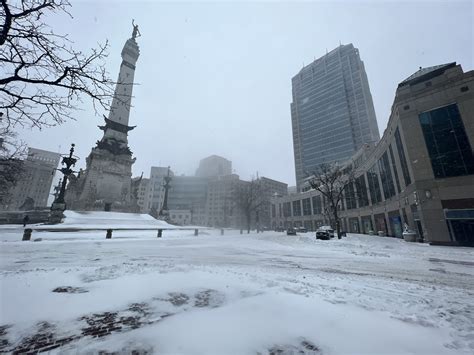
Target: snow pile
x=105 y=220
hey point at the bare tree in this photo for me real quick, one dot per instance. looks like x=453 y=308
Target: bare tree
x=332 y=181
x=249 y=197
x=12 y=153
x=43 y=78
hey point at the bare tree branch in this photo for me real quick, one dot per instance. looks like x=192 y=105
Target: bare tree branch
x=332 y=182
x=249 y=197
x=43 y=78
x=12 y=153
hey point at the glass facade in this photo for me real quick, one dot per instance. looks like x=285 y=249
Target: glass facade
x=286 y=209
x=374 y=186
x=394 y=167
x=447 y=142
x=297 y=208
x=386 y=176
x=332 y=110
x=349 y=193
x=317 y=209
x=401 y=156
x=307 y=207
x=367 y=226
x=362 y=191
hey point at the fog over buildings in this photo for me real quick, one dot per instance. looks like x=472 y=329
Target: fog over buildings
x=215 y=78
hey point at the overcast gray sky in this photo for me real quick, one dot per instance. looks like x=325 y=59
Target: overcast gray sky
x=215 y=77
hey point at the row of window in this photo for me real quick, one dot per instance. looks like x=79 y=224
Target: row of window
x=305 y=207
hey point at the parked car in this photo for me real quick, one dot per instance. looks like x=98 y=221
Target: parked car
x=291 y=231
x=302 y=229
x=325 y=233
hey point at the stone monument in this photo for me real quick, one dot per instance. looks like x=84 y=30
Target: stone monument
x=106 y=183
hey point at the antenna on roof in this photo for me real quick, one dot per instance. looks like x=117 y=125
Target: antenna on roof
x=340 y=43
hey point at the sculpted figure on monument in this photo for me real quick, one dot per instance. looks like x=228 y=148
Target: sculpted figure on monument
x=136 y=33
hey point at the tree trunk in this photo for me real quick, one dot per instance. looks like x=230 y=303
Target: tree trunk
x=338 y=224
x=248 y=223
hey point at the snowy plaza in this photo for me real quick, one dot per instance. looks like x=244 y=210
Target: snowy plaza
x=265 y=293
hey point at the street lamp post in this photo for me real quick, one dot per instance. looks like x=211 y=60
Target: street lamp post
x=164 y=215
x=56 y=189
x=59 y=204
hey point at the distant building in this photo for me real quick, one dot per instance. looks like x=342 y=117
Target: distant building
x=220 y=204
x=213 y=166
x=270 y=189
x=180 y=217
x=332 y=112
x=142 y=194
x=222 y=209
x=207 y=200
x=292 y=190
x=420 y=174
x=34 y=185
x=189 y=193
x=156 y=189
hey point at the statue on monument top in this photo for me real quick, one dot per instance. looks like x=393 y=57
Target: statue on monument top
x=136 y=33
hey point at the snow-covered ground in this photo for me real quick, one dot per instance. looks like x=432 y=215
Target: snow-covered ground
x=234 y=294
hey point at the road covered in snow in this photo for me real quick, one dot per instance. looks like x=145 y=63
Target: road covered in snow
x=265 y=293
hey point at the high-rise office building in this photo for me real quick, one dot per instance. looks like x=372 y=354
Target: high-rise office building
x=332 y=111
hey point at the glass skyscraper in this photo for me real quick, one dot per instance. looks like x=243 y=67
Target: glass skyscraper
x=332 y=111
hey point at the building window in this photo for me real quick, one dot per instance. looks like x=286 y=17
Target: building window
x=297 y=208
x=401 y=156
x=350 y=197
x=374 y=186
x=447 y=142
x=307 y=207
x=316 y=205
x=362 y=191
x=287 y=209
x=386 y=176
x=394 y=167
x=273 y=211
